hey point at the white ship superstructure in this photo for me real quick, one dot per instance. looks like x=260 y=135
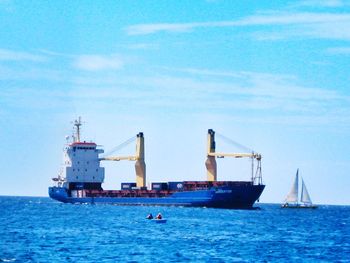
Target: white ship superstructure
x=81 y=164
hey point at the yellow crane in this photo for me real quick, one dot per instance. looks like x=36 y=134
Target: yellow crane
x=139 y=157
x=211 y=161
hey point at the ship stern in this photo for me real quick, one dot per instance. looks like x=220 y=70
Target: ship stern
x=58 y=193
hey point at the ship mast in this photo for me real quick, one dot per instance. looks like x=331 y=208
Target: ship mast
x=77 y=124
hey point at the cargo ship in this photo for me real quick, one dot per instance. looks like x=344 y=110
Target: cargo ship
x=81 y=177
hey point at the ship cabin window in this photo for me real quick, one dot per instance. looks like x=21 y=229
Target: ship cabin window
x=85 y=170
x=96 y=170
x=74 y=149
x=77 y=177
x=78 y=170
x=84 y=148
x=73 y=169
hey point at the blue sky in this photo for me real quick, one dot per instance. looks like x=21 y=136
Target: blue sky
x=272 y=75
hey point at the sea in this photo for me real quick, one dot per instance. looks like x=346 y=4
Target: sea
x=37 y=229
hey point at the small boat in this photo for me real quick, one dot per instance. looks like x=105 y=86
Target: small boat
x=291 y=200
x=158 y=219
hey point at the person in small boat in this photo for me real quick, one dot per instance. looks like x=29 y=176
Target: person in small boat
x=159 y=216
x=150 y=216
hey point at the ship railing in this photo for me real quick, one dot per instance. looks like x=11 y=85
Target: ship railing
x=127 y=193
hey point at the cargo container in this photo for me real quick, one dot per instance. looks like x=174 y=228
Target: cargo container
x=159 y=186
x=176 y=186
x=128 y=186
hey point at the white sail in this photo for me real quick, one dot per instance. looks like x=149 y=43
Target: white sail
x=305 y=197
x=292 y=197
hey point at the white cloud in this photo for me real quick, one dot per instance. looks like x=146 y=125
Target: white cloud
x=294 y=19
x=56 y=54
x=322 y=3
x=253 y=84
x=31 y=73
x=195 y=90
x=145 y=29
x=7 y=6
x=10 y=55
x=145 y=46
x=234 y=74
x=98 y=62
x=315 y=25
x=226 y=92
x=339 y=50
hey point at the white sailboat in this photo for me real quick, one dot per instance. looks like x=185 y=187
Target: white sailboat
x=291 y=200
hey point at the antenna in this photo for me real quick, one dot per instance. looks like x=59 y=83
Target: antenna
x=77 y=124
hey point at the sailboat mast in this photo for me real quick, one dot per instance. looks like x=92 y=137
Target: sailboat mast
x=305 y=197
x=297 y=185
x=292 y=196
x=253 y=168
x=302 y=192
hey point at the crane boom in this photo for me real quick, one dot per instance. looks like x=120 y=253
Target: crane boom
x=235 y=155
x=119 y=158
x=139 y=157
x=211 y=162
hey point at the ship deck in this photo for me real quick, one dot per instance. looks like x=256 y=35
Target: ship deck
x=189 y=186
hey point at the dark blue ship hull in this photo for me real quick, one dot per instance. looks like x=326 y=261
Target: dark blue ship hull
x=243 y=196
